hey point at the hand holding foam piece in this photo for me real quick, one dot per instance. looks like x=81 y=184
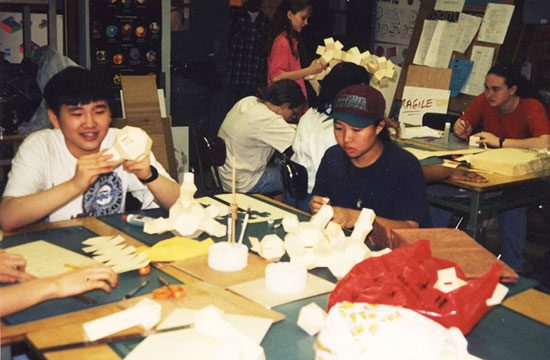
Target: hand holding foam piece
x=145 y=313
x=363 y=224
x=311 y=318
x=447 y=280
x=323 y=216
x=131 y=143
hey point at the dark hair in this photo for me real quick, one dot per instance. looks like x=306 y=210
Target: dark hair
x=283 y=91
x=513 y=77
x=341 y=76
x=281 y=23
x=75 y=86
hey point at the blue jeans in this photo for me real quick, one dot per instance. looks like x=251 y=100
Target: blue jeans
x=270 y=182
x=512 y=224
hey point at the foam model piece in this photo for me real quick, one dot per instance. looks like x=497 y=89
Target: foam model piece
x=383 y=71
x=447 y=280
x=322 y=243
x=474 y=141
x=311 y=318
x=231 y=343
x=145 y=314
x=513 y=162
x=271 y=248
x=226 y=256
x=187 y=217
x=111 y=251
x=364 y=331
x=131 y=143
x=498 y=295
x=285 y=278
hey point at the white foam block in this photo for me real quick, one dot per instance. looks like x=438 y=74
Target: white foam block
x=323 y=216
x=311 y=318
x=498 y=295
x=145 y=313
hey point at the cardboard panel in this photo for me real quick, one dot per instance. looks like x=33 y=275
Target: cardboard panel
x=428 y=77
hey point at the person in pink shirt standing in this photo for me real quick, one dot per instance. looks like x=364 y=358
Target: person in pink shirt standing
x=283 y=61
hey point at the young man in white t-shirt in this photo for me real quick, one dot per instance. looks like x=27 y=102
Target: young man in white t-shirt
x=64 y=172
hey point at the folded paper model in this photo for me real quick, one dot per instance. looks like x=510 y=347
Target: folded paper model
x=111 y=251
x=131 y=143
x=187 y=217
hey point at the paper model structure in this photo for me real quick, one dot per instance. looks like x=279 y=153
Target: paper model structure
x=145 y=314
x=383 y=71
x=111 y=251
x=365 y=331
x=311 y=318
x=271 y=248
x=131 y=143
x=187 y=217
x=322 y=243
x=513 y=162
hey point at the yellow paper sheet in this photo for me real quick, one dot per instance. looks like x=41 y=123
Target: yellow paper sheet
x=176 y=249
x=531 y=303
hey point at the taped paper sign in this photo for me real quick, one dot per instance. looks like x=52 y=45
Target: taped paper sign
x=418 y=101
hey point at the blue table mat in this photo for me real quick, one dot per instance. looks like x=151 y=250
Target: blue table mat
x=71 y=239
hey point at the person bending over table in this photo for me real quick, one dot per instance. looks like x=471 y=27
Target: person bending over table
x=315 y=132
x=61 y=173
x=286 y=46
x=366 y=169
x=510 y=116
x=30 y=291
x=253 y=129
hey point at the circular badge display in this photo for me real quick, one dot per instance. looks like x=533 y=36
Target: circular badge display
x=104 y=197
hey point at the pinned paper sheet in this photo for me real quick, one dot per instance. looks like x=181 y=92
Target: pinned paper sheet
x=482 y=56
x=416 y=101
x=495 y=23
x=257 y=291
x=176 y=249
x=467 y=29
x=461 y=70
x=261 y=211
x=46 y=259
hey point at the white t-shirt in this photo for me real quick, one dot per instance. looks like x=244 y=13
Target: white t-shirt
x=315 y=134
x=44 y=161
x=252 y=132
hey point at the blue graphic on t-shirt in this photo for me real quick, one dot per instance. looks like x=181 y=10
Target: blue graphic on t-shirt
x=104 y=197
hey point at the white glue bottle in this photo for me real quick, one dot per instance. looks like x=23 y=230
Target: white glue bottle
x=135 y=219
x=447 y=132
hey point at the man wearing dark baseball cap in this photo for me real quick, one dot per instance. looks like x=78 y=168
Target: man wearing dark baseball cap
x=367 y=170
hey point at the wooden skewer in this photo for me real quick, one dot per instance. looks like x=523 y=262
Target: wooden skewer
x=233 y=202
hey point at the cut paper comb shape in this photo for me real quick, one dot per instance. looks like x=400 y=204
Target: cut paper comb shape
x=111 y=251
x=187 y=217
x=131 y=143
x=145 y=314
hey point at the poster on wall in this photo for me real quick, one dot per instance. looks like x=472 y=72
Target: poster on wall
x=11 y=34
x=125 y=39
x=395 y=21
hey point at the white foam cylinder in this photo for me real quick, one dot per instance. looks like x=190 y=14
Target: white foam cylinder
x=225 y=256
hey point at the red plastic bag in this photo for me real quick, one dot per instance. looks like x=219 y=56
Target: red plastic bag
x=405 y=277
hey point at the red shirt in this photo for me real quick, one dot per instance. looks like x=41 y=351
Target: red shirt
x=281 y=60
x=528 y=120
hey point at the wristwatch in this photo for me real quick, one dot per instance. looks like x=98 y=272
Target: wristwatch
x=500 y=142
x=153 y=177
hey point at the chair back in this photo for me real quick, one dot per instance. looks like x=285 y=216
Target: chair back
x=294 y=178
x=211 y=154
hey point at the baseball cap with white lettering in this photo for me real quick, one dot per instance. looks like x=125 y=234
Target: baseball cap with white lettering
x=359 y=106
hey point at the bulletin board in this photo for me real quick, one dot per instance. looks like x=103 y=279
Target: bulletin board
x=509 y=51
